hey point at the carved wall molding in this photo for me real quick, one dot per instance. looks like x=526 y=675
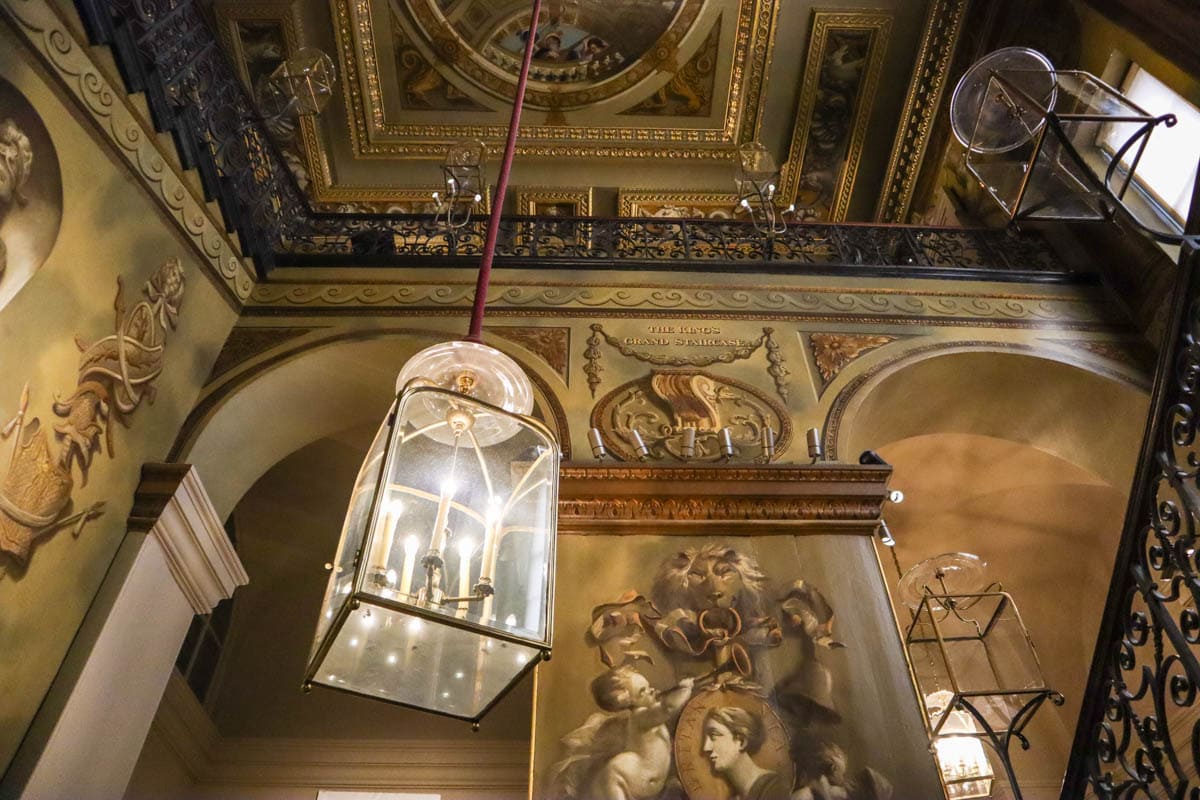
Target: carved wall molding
x=552 y=344
x=943 y=27
x=133 y=139
x=1075 y=308
x=664 y=403
x=833 y=351
x=776 y=367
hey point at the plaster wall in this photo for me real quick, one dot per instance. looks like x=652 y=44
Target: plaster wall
x=121 y=222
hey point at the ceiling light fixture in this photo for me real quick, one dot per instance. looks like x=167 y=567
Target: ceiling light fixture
x=976 y=670
x=448 y=543
x=757 y=179
x=1050 y=144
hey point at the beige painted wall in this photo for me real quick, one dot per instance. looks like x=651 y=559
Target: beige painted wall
x=112 y=227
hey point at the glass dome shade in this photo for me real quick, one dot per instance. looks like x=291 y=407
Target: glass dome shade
x=474 y=370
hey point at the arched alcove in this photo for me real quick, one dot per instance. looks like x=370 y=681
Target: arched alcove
x=1026 y=462
x=319 y=389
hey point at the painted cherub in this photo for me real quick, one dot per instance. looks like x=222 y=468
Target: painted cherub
x=624 y=751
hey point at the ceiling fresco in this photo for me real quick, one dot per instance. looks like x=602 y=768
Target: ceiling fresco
x=646 y=98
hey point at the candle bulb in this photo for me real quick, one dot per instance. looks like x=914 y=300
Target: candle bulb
x=688 y=448
x=599 y=451
x=465 y=548
x=726 y=440
x=438 y=542
x=381 y=546
x=639 y=445
x=815 y=451
x=410 y=563
x=768 y=442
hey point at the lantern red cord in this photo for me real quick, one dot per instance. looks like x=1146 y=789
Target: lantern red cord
x=493 y=230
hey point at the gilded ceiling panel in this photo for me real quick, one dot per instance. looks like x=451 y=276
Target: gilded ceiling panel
x=676 y=78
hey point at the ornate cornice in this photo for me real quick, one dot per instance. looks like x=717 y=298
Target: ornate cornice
x=133 y=139
x=771 y=499
x=1079 y=309
x=943 y=26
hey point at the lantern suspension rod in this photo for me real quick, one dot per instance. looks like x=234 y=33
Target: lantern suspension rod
x=493 y=230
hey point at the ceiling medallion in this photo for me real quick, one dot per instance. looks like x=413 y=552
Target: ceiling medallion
x=585 y=51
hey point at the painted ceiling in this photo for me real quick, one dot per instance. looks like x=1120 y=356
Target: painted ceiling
x=634 y=107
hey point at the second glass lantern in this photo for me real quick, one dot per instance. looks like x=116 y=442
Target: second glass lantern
x=441 y=595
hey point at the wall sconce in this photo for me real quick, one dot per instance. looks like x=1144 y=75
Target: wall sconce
x=463 y=177
x=975 y=666
x=757 y=180
x=1050 y=144
x=815 y=451
x=300 y=86
x=599 y=451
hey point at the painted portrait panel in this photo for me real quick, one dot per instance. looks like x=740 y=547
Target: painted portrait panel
x=30 y=191
x=720 y=667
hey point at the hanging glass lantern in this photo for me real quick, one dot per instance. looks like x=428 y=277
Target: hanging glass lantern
x=463 y=177
x=300 y=86
x=975 y=667
x=441 y=594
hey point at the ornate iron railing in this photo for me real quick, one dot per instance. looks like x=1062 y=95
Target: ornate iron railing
x=166 y=50
x=657 y=243
x=1139 y=729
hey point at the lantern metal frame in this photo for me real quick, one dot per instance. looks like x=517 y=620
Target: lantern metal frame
x=1030 y=699
x=1098 y=195
x=360 y=595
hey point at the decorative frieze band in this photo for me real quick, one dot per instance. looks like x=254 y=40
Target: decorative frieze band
x=1078 y=308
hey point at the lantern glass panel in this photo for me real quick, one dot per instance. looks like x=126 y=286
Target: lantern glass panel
x=401 y=658
x=977 y=647
x=341 y=578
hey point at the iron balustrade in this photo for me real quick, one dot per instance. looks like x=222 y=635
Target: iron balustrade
x=1139 y=728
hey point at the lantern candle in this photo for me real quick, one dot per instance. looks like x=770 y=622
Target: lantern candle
x=438 y=542
x=465 y=547
x=382 y=545
x=410 y=560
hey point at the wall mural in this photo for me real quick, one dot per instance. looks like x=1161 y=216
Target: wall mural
x=845 y=57
x=30 y=191
x=714 y=674
x=116 y=373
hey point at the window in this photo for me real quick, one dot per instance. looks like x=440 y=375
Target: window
x=1167 y=169
x=201 y=651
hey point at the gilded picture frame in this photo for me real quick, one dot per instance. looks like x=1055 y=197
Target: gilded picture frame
x=846 y=52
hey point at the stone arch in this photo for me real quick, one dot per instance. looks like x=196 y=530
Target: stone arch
x=313 y=388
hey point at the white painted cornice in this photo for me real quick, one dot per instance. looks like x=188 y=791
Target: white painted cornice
x=172 y=502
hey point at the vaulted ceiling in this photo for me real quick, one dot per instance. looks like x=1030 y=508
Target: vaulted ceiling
x=634 y=107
